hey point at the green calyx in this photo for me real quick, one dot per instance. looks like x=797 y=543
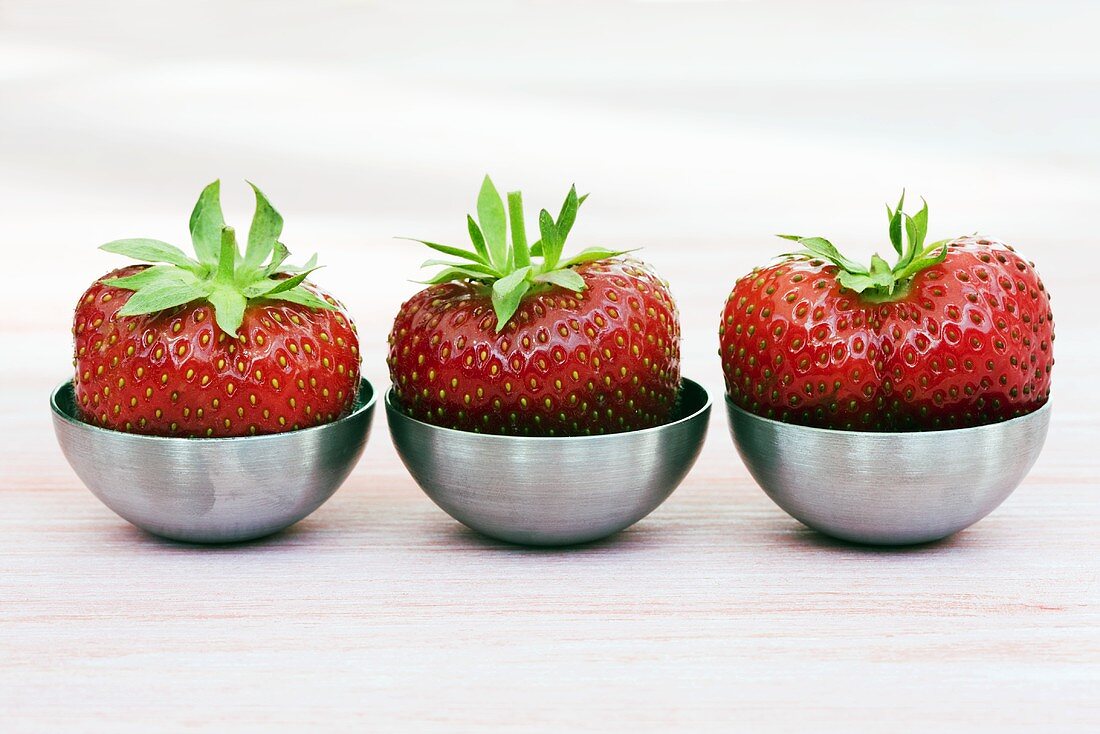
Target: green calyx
x=880 y=281
x=506 y=267
x=220 y=275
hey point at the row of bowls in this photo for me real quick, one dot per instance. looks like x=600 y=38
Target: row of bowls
x=877 y=488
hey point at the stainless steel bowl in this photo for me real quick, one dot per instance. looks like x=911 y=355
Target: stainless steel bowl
x=888 y=488
x=212 y=490
x=551 y=491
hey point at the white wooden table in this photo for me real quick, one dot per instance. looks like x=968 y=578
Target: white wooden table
x=701 y=129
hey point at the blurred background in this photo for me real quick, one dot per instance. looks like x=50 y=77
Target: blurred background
x=701 y=129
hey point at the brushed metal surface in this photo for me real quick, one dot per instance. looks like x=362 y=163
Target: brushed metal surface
x=551 y=490
x=888 y=488
x=213 y=490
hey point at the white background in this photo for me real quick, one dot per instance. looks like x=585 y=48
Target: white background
x=701 y=129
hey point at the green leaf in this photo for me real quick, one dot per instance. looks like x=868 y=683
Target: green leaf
x=878 y=265
x=822 y=248
x=536 y=246
x=278 y=257
x=475 y=267
x=477 y=238
x=592 y=254
x=448 y=250
x=159 y=296
x=920 y=225
x=507 y=294
x=911 y=250
x=288 y=283
x=881 y=275
x=568 y=279
x=207 y=223
x=551 y=241
x=895 y=223
x=507 y=265
x=303 y=297
x=229 y=305
x=907 y=235
x=857 y=282
x=152 y=251
x=520 y=253
x=940 y=250
x=267 y=225
x=162 y=274
x=491 y=217
x=916 y=229
x=310 y=264
x=939 y=247
x=265 y=288
x=456 y=273
x=934 y=254
x=225 y=278
x=568 y=214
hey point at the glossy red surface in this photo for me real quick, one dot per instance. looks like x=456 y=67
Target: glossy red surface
x=600 y=361
x=175 y=373
x=969 y=342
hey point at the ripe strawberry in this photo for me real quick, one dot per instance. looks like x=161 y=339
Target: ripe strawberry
x=958 y=333
x=500 y=344
x=228 y=345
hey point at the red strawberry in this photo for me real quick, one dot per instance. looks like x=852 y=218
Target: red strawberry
x=501 y=344
x=958 y=333
x=228 y=345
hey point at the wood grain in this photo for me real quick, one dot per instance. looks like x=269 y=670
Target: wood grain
x=701 y=128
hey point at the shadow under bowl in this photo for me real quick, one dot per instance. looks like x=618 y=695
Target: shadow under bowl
x=212 y=490
x=552 y=491
x=888 y=488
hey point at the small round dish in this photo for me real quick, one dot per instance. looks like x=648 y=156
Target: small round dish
x=551 y=491
x=212 y=490
x=888 y=488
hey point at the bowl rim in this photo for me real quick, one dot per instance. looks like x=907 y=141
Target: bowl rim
x=72 y=420
x=1041 y=410
x=707 y=402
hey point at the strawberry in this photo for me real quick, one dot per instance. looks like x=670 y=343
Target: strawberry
x=958 y=333
x=499 y=343
x=225 y=345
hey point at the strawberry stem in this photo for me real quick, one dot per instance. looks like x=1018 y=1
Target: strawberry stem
x=227 y=258
x=521 y=254
x=221 y=277
x=508 y=272
x=880 y=282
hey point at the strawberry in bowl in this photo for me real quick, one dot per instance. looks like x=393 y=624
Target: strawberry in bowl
x=217 y=360
x=223 y=344
x=513 y=346
x=890 y=404
x=555 y=346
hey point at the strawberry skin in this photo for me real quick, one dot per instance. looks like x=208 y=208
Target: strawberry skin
x=966 y=340
x=225 y=343
x=176 y=373
x=602 y=360
x=797 y=349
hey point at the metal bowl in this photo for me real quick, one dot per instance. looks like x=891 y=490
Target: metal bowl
x=212 y=490
x=888 y=488
x=551 y=490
